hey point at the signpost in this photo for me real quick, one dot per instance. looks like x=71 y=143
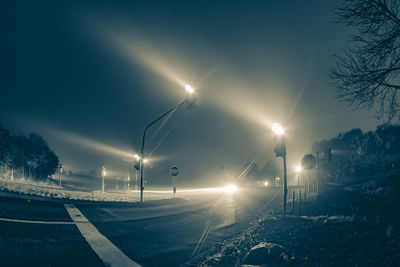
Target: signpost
x=174 y=171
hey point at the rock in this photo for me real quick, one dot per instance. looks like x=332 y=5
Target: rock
x=266 y=253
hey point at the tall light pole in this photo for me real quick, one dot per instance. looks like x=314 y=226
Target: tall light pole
x=189 y=89
x=59 y=173
x=298 y=170
x=103 y=173
x=280 y=151
x=128 y=179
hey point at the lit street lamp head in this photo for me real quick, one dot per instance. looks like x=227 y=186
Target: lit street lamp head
x=298 y=168
x=277 y=128
x=189 y=89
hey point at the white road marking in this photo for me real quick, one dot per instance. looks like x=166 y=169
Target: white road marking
x=107 y=251
x=34 y=222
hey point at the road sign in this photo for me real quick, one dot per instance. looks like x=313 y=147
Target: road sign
x=174 y=171
x=308 y=161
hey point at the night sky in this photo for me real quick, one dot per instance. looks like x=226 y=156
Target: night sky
x=90 y=75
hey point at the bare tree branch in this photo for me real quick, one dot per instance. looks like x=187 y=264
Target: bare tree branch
x=368 y=74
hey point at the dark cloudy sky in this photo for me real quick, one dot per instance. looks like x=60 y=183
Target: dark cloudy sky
x=90 y=75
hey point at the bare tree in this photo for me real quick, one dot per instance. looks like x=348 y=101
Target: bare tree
x=368 y=74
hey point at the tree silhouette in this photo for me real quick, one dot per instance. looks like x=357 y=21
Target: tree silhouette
x=368 y=74
x=31 y=155
x=361 y=154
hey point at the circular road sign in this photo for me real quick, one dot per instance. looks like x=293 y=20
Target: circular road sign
x=174 y=171
x=308 y=161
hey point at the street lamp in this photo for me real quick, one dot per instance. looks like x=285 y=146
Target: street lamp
x=298 y=170
x=189 y=89
x=277 y=128
x=59 y=173
x=103 y=174
x=280 y=151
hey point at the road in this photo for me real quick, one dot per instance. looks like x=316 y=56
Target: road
x=155 y=233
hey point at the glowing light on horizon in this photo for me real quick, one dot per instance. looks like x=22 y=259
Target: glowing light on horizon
x=226 y=189
x=230 y=188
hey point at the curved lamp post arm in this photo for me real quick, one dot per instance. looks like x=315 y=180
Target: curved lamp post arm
x=143 y=141
x=153 y=122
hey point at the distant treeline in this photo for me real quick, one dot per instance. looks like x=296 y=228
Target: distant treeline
x=358 y=154
x=256 y=175
x=26 y=156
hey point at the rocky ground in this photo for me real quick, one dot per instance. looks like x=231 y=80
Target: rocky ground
x=341 y=228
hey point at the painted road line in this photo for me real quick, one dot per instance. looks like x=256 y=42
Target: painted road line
x=34 y=222
x=107 y=251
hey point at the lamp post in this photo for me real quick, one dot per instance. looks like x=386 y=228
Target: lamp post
x=280 y=151
x=59 y=173
x=103 y=174
x=298 y=170
x=128 y=180
x=189 y=89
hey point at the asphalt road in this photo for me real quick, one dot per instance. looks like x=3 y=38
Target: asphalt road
x=155 y=233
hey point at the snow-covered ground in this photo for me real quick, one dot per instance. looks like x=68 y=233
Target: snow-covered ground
x=52 y=190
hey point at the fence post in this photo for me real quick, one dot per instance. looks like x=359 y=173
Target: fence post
x=293 y=201
x=300 y=202
x=305 y=193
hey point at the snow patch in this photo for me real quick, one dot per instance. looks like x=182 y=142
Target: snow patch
x=50 y=190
